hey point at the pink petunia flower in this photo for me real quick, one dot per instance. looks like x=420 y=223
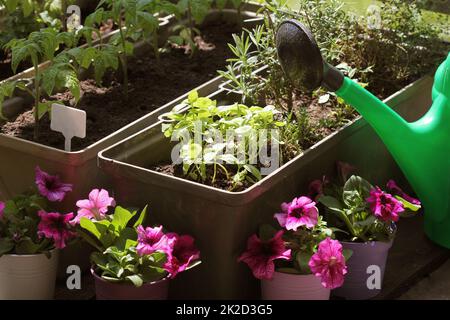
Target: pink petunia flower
x=2 y=207
x=151 y=240
x=300 y=212
x=95 y=207
x=392 y=186
x=384 y=206
x=328 y=263
x=55 y=226
x=260 y=255
x=50 y=186
x=183 y=252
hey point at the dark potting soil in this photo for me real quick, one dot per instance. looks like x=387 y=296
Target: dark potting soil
x=151 y=85
x=322 y=120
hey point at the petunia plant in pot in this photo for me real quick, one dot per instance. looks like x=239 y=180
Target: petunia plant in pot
x=300 y=262
x=366 y=216
x=131 y=261
x=31 y=235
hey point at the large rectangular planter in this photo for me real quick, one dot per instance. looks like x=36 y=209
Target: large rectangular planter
x=221 y=221
x=19 y=157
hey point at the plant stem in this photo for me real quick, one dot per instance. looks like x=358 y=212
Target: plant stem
x=37 y=98
x=63 y=15
x=124 y=59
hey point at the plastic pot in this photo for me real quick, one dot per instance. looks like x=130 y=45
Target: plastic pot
x=28 y=277
x=221 y=221
x=105 y=290
x=365 y=270
x=285 y=286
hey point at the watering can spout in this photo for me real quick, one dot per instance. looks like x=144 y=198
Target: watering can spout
x=421 y=148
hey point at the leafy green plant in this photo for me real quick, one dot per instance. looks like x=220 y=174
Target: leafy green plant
x=201 y=129
x=60 y=73
x=116 y=239
x=51 y=13
x=135 y=20
x=365 y=212
x=378 y=58
x=128 y=252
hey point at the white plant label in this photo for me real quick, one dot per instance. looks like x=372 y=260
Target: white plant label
x=71 y=122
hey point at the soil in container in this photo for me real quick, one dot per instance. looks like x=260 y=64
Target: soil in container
x=151 y=85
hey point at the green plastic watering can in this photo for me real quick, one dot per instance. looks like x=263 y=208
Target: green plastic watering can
x=421 y=148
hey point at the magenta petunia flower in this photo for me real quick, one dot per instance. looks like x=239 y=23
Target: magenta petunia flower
x=151 y=240
x=300 y=212
x=2 y=207
x=50 y=186
x=55 y=226
x=392 y=186
x=384 y=206
x=95 y=207
x=328 y=263
x=260 y=255
x=183 y=252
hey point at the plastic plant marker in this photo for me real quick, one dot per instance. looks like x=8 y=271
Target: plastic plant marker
x=421 y=148
x=71 y=122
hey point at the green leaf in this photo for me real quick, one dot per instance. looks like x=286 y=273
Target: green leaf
x=141 y=217
x=288 y=270
x=408 y=205
x=27 y=246
x=302 y=259
x=356 y=190
x=126 y=239
x=136 y=280
x=347 y=253
x=90 y=226
x=266 y=232
x=330 y=202
x=121 y=217
x=43 y=108
x=6 y=246
x=27 y=7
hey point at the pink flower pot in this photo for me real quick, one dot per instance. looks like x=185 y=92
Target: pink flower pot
x=286 y=286
x=367 y=261
x=105 y=290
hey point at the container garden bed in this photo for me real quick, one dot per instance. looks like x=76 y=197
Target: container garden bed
x=222 y=220
x=80 y=163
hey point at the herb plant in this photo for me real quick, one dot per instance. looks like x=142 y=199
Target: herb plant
x=378 y=57
x=208 y=156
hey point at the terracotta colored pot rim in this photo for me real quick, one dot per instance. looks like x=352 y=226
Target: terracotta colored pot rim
x=97 y=277
x=14 y=255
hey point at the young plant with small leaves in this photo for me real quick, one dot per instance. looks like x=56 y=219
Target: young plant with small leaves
x=60 y=74
x=135 y=20
x=217 y=140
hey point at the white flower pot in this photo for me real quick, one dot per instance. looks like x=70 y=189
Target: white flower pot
x=28 y=277
x=286 y=286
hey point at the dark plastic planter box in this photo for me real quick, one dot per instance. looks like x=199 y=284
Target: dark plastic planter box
x=222 y=221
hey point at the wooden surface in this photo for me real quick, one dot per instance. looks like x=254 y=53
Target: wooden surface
x=411 y=258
